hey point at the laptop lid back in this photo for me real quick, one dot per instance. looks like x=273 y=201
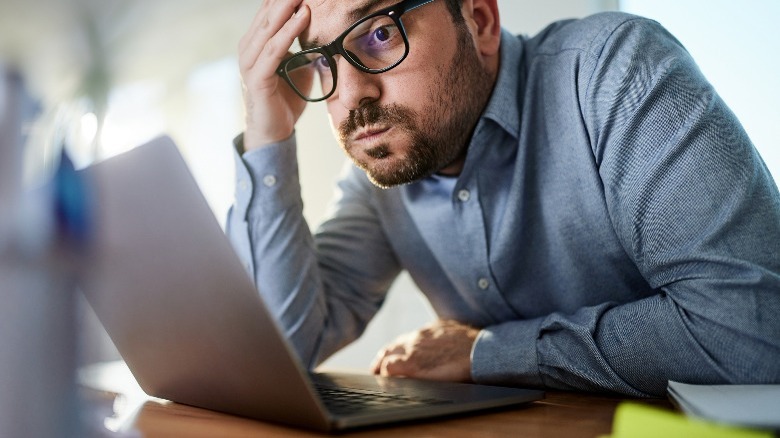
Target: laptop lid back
x=176 y=301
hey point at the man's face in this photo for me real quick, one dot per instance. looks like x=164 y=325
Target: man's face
x=416 y=119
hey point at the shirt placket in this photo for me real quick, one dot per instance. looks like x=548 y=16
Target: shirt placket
x=473 y=271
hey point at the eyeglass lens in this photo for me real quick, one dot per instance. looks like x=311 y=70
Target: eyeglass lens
x=375 y=44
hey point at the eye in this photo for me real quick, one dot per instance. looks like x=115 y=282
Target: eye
x=383 y=33
x=322 y=63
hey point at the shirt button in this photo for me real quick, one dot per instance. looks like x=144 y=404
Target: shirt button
x=483 y=283
x=269 y=180
x=464 y=195
x=243 y=184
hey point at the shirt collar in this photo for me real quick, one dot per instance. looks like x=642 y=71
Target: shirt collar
x=504 y=106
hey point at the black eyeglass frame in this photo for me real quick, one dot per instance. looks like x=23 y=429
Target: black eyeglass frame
x=336 y=47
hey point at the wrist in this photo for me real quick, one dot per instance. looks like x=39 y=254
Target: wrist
x=253 y=139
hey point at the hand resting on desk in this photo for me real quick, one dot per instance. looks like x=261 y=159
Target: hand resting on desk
x=439 y=351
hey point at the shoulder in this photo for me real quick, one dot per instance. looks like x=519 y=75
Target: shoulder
x=615 y=60
x=592 y=34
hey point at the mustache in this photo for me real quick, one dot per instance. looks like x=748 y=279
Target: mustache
x=373 y=114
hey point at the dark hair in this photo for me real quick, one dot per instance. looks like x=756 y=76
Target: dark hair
x=454 y=7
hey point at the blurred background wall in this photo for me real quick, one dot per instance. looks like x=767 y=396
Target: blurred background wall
x=111 y=74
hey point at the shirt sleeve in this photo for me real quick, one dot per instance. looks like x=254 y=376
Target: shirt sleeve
x=322 y=288
x=699 y=214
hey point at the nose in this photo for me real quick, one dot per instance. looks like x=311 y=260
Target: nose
x=354 y=87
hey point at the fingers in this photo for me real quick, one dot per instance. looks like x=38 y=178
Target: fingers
x=390 y=361
x=401 y=357
x=431 y=367
x=394 y=349
x=271 y=34
x=277 y=48
x=407 y=364
x=268 y=20
x=440 y=351
x=399 y=366
x=376 y=364
x=272 y=108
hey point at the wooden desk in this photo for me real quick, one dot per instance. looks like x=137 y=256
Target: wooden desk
x=560 y=414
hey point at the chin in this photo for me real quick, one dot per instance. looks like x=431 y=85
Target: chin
x=386 y=177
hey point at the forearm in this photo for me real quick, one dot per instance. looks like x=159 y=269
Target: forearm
x=635 y=348
x=269 y=232
x=312 y=285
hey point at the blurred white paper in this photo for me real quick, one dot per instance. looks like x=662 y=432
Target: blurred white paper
x=745 y=405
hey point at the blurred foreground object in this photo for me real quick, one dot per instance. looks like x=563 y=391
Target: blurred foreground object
x=42 y=235
x=633 y=420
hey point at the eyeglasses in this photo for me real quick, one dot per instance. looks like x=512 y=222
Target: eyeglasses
x=374 y=44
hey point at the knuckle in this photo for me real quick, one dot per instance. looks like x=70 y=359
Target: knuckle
x=244 y=64
x=274 y=48
x=394 y=365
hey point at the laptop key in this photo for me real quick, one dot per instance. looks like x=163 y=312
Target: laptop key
x=348 y=401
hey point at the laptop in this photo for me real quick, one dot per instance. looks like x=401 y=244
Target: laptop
x=185 y=316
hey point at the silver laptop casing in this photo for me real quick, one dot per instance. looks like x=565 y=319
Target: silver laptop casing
x=176 y=301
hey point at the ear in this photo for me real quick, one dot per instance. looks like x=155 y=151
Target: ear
x=482 y=17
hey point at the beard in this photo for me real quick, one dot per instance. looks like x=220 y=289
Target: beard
x=439 y=136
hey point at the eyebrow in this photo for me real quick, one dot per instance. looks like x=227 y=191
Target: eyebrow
x=353 y=15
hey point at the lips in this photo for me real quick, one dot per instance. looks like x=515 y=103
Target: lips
x=368 y=134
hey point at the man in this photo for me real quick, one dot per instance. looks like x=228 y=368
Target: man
x=580 y=208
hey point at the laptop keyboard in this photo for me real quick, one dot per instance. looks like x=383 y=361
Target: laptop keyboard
x=352 y=401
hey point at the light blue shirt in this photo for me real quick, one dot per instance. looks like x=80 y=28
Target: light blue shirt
x=613 y=226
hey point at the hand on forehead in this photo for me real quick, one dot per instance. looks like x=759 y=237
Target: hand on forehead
x=331 y=17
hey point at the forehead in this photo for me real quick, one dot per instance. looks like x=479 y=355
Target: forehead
x=331 y=17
